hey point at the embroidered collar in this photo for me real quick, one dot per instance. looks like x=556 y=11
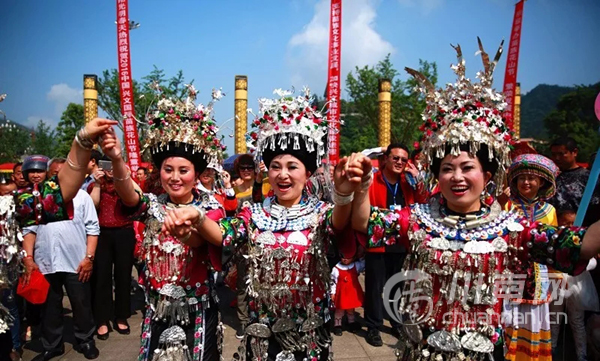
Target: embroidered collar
x=497 y=223
x=159 y=204
x=526 y=201
x=276 y=210
x=165 y=199
x=531 y=210
x=202 y=199
x=271 y=216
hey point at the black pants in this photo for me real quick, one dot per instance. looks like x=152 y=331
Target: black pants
x=6 y=346
x=211 y=320
x=242 y=293
x=52 y=311
x=379 y=267
x=115 y=247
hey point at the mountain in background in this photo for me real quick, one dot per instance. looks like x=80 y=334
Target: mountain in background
x=18 y=125
x=536 y=105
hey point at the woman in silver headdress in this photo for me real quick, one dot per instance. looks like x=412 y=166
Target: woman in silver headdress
x=286 y=237
x=181 y=322
x=468 y=258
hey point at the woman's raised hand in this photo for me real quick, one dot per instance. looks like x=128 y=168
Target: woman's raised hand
x=226 y=179
x=97 y=126
x=110 y=144
x=349 y=172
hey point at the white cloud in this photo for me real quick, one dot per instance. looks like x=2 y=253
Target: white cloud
x=361 y=44
x=62 y=95
x=426 y=6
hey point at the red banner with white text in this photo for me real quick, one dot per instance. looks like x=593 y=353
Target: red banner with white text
x=334 y=80
x=512 y=62
x=132 y=146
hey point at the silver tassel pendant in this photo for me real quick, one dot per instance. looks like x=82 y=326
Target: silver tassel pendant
x=296 y=142
x=204 y=300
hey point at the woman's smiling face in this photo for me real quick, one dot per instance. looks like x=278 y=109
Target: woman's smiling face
x=287 y=176
x=178 y=178
x=462 y=180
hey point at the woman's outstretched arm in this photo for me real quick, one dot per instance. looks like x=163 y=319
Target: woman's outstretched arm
x=71 y=177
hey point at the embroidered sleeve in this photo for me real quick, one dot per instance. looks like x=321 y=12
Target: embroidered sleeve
x=556 y=247
x=386 y=227
x=136 y=213
x=235 y=229
x=43 y=205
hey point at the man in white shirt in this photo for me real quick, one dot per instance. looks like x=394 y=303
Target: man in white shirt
x=64 y=254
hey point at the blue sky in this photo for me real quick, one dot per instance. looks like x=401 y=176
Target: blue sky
x=47 y=45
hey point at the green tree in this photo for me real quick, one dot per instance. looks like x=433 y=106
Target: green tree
x=71 y=121
x=14 y=143
x=574 y=117
x=408 y=104
x=361 y=111
x=43 y=140
x=173 y=87
x=109 y=96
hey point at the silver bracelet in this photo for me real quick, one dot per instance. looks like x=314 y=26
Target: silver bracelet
x=342 y=199
x=366 y=181
x=128 y=176
x=72 y=164
x=186 y=237
x=201 y=216
x=82 y=138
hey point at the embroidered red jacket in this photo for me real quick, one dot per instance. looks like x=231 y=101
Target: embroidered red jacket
x=378 y=193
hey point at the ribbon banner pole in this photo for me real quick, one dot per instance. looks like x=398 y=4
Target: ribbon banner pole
x=512 y=62
x=132 y=146
x=334 y=80
x=592 y=180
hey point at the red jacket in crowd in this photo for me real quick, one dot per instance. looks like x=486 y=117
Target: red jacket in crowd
x=378 y=193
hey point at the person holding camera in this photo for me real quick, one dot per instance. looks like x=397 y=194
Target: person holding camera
x=115 y=248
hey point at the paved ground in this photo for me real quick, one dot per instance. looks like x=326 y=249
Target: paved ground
x=349 y=347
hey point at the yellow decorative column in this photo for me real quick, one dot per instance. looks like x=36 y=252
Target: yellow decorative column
x=90 y=97
x=517 y=112
x=241 y=113
x=385 y=112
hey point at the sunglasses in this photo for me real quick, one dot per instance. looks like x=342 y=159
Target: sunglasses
x=247 y=167
x=398 y=159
